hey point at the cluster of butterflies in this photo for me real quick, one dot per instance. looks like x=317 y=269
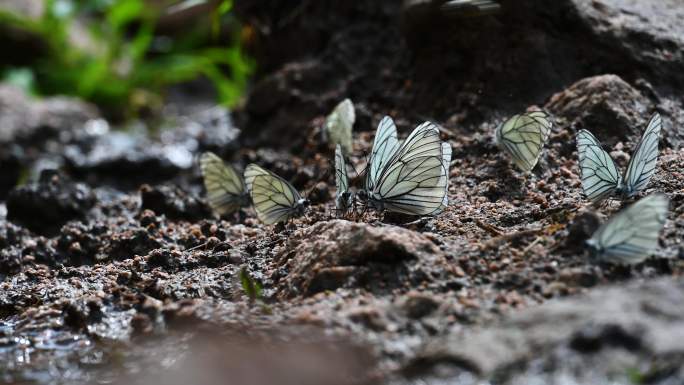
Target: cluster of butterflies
x=412 y=177
x=409 y=177
x=631 y=235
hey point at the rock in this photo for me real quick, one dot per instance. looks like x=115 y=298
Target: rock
x=125 y=160
x=173 y=202
x=338 y=253
x=128 y=159
x=32 y=122
x=128 y=244
x=46 y=205
x=606 y=105
x=10 y=261
x=649 y=33
x=418 y=305
x=646 y=319
x=29 y=128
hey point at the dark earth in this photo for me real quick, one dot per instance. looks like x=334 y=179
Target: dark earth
x=114 y=270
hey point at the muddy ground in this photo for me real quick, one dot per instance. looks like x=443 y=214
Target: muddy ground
x=114 y=270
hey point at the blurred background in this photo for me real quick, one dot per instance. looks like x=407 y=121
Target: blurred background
x=126 y=56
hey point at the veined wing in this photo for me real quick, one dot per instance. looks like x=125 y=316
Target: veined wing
x=523 y=137
x=385 y=145
x=414 y=181
x=225 y=187
x=632 y=234
x=600 y=175
x=643 y=163
x=274 y=198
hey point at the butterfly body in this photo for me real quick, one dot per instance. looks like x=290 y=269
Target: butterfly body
x=344 y=201
x=601 y=178
x=344 y=198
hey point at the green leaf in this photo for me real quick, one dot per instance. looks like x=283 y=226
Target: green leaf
x=250 y=286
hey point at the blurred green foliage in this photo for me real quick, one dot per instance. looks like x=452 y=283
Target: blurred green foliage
x=122 y=64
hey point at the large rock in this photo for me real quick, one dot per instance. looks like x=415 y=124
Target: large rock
x=338 y=253
x=606 y=105
x=649 y=33
x=611 y=331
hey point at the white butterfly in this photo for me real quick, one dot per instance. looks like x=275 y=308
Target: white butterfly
x=226 y=191
x=275 y=199
x=339 y=124
x=600 y=175
x=343 y=197
x=410 y=177
x=523 y=137
x=631 y=235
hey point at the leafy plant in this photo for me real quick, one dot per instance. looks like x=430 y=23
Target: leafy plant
x=123 y=62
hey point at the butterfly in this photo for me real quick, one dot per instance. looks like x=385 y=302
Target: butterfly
x=226 y=191
x=631 y=235
x=600 y=175
x=339 y=124
x=343 y=197
x=275 y=199
x=523 y=137
x=410 y=177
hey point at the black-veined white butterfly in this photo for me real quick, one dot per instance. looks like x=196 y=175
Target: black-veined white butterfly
x=339 y=124
x=343 y=197
x=631 y=235
x=600 y=175
x=523 y=137
x=410 y=177
x=226 y=191
x=275 y=199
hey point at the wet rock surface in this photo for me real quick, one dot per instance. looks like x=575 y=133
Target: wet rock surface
x=44 y=206
x=135 y=283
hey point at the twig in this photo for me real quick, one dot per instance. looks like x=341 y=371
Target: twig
x=531 y=245
x=509 y=237
x=489 y=228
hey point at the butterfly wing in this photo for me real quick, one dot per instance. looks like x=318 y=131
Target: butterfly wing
x=632 y=234
x=600 y=175
x=523 y=137
x=342 y=194
x=446 y=163
x=274 y=198
x=385 y=145
x=225 y=187
x=414 y=180
x=643 y=163
x=339 y=124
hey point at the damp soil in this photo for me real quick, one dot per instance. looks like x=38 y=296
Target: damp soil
x=125 y=276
